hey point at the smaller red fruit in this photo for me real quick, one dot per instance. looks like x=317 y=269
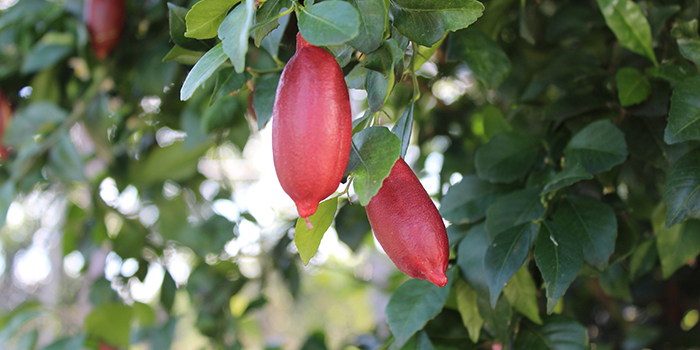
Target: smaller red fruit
x=5 y=115
x=409 y=227
x=105 y=22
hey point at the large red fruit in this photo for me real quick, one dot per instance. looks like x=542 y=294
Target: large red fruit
x=409 y=227
x=5 y=115
x=105 y=22
x=311 y=127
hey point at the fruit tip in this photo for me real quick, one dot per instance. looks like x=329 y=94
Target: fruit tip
x=439 y=280
x=309 y=225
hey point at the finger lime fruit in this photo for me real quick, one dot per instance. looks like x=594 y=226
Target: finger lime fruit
x=311 y=127
x=409 y=227
x=105 y=22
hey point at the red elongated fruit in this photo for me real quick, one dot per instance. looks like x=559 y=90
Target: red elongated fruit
x=105 y=21
x=409 y=227
x=5 y=115
x=311 y=127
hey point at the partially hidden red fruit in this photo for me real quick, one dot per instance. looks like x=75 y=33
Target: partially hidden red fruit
x=409 y=227
x=311 y=127
x=105 y=21
x=5 y=115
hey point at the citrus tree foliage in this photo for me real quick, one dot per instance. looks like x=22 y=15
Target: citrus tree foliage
x=561 y=139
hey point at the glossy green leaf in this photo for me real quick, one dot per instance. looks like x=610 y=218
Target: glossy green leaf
x=268 y=10
x=419 y=341
x=593 y=223
x=484 y=57
x=52 y=48
x=221 y=114
x=111 y=323
x=470 y=258
x=352 y=225
x=468 y=200
x=378 y=87
x=374 y=19
x=205 y=67
x=632 y=86
x=558 y=332
x=35 y=118
x=469 y=309
x=412 y=305
x=559 y=257
x=307 y=241
x=598 y=147
x=676 y=245
x=522 y=294
x=264 y=97
x=426 y=22
x=684 y=115
x=329 y=23
x=204 y=18
x=506 y=158
x=688 y=40
x=374 y=151
x=65 y=160
x=681 y=191
x=403 y=127
x=505 y=255
x=228 y=81
x=176 y=21
x=499 y=319
x=234 y=33
x=567 y=177
x=513 y=209
x=272 y=41
x=357 y=77
x=182 y=55
x=626 y=20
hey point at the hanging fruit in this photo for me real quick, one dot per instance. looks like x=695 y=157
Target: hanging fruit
x=311 y=127
x=409 y=227
x=105 y=21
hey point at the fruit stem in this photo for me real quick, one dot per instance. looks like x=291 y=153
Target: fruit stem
x=309 y=225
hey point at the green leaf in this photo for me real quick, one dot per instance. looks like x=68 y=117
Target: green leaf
x=598 y=147
x=522 y=294
x=374 y=19
x=426 y=22
x=684 y=116
x=643 y=259
x=378 y=87
x=328 y=23
x=357 y=77
x=221 y=114
x=17 y=321
x=307 y=241
x=7 y=195
x=676 y=245
x=65 y=160
x=494 y=122
x=632 y=86
x=412 y=305
x=403 y=127
x=352 y=225
x=559 y=257
x=111 y=323
x=374 y=151
x=513 y=209
x=626 y=20
x=506 y=158
x=35 y=118
x=484 y=57
x=70 y=343
x=681 y=191
x=271 y=42
x=52 y=48
x=228 y=81
x=558 y=332
x=467 y=200
x=499 y=319
x=615 y=282
x=176 y=20
x=470 y=258
x=419 y=341
x=688 y=40
x=204 y=18
x=505 y=255
x=469 y=309
x=567 y=177
x=267 y=11
x=173 y=162
x=593 y=223
x=182 y=55
x=264 y=97
x=205 y=67
x=234 y=33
